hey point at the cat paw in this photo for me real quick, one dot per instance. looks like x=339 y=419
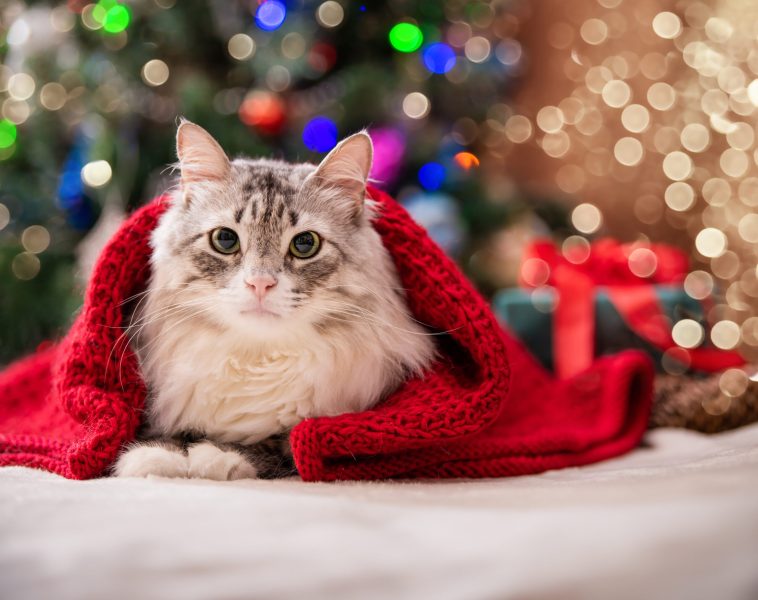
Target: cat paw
x=151 y=460
x=208 y=461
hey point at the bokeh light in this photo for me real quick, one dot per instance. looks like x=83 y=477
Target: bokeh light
x=116 y=18
x=466 y=160
x=699 y=285
x=711 y=242
x=21 y=86
x=155 y=72
x=320 y=134
x=406 y=37
x=25 y=266
x=586 y=218
x=241 y=46
x=52 y=96
x=679 y=196
x=733 y=382
x=35 y=239
x=667 y=25
x=439 y=57
x=330 y=14
x=688 y=333
x=643 y=262
x=97 y=173
x=5 y=216
x=416 y=105
x=264 y=111
x=725 y=334
x=270 y=15
x=8 y=133
x=431 y=176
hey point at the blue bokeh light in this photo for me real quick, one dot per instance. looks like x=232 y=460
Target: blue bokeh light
x=431 y=176
x=72 y=197
x=270 y=15
x=439 y=57
x=320 y=134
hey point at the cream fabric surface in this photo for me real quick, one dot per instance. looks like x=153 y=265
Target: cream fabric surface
x=675 y=519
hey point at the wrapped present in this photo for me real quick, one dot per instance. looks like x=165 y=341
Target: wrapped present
x=571 y=309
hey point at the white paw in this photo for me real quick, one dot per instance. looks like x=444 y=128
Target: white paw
x=207 y=461
x=145 y=460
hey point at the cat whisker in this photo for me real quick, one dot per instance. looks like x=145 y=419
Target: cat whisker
x=167 y=310
x=347 y=309
x=145 y=350
x=375 y=293
x=151 y=289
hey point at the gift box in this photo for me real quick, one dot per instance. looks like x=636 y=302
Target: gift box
x=529 y=314
x=603 y=298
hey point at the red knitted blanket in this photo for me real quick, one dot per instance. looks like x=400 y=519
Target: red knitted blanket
x=486 y=409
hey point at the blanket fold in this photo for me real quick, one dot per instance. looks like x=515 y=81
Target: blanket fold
x=485 y=408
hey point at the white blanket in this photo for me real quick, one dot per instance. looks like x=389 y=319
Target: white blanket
x=675 y=519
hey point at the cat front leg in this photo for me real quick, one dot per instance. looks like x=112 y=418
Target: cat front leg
x=269 y=459
x=207 y=460
x=154 y=458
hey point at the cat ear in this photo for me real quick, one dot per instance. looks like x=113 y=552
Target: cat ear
x=200 y=156
x=345 y=169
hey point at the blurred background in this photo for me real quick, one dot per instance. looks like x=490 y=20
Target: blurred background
x=495 y=123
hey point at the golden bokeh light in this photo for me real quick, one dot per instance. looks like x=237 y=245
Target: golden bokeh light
x=733 y=382
x=518 y=129
x=586 y=218
x=550 y=119
x=710 y=242
x=35 y=239
x=643 y=262
x=677 y=165
x=695 y=137
x=416 y=105
x=667 y=25
x=635 y=118
x=155 y=72
x=25 y=266
x=725 y=334
x=688 y=333
x=661 y=96
x=97 y=173
x=594 y=31
x=679 y=196
x=698 y=285
x=628 y=151
x=616 y=93
x=576 y=249
x=240 y=46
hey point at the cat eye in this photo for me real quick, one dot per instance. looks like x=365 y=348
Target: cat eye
x=224 y=240
x=305 y=244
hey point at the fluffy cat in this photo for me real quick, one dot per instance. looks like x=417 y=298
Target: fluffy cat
x=272 y=299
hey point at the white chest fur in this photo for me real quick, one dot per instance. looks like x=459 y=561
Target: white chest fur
x=243 y=394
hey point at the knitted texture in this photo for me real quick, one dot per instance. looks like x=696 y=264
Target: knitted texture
x=485 y=408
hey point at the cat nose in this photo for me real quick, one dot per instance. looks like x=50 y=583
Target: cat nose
x=261 y=284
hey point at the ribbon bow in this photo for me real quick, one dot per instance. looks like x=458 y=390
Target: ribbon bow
x=628 y=272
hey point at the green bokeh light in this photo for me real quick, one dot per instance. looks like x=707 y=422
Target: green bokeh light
x=406 y=37
x=7 y=133
x=116 y=19
x=100 y=10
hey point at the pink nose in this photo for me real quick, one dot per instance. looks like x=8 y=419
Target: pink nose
x=261 y=284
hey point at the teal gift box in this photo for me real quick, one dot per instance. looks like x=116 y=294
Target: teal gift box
x=529 y=315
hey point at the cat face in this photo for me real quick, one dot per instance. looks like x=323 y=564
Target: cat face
x=261 y=243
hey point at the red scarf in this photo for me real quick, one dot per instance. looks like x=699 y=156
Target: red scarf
x=484 y=410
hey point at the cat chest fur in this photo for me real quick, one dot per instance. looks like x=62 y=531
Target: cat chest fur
x=246 y=396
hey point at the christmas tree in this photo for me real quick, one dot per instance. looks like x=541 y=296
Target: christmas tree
x=91 y=93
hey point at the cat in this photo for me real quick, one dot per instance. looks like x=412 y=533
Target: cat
x=271 y=300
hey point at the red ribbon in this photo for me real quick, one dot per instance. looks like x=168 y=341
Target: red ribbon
x=607 y=264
